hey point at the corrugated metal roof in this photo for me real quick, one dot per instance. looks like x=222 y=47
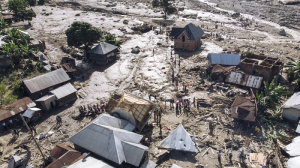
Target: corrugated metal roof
x=16 y=107
x=45 y=98
x=106 y=119
x=136 y=107
x=193 y=32
x=293 y=102
x=66 y=159
x=105 y=141
x=175 y=31
x=175 y=166
x=244 y=79
x=63 y=91
x=134 y=152
x=224 y=59
x=59 y=150
x=102 y=48
x=179 y=139
x=46 y=80
x=221 y=70
x=30 y=112
x=90 y=162
x=148 y=164
x=242 y=108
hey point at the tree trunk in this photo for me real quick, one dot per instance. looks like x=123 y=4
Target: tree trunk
x=165 y=10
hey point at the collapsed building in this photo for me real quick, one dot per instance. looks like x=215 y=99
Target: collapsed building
x=135 y=110
x=243 y=108
x=267 y=67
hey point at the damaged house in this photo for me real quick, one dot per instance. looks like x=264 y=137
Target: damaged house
x=135 y=110
x=242 y=79
x=187 y=38
x=244 y=108
x=264 y=66
x=107 y=137
x=291 y=108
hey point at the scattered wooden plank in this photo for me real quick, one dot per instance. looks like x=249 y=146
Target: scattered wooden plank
x=205 y=151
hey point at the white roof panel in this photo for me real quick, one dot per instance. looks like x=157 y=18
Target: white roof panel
x=224 y=59
x=293 y=102
x=90 y=162
x=63 y=91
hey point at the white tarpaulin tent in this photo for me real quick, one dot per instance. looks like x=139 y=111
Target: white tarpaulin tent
x=179 y=139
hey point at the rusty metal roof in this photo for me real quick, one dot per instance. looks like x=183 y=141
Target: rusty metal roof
x=60 y=149
x=244 y=79
x=46 y=80
x=16 y=107
x=219 y=69
x=66 y=159
x=68 y=67
x=242 y=108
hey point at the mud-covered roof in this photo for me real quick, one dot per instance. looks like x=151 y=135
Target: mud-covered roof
x=63 y=91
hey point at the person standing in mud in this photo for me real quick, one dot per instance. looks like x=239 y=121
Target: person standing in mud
x=149 y=97
x=179 y=63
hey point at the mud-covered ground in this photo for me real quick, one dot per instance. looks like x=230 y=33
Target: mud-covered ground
x=144 y=73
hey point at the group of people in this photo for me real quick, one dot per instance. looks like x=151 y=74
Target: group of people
x=15 y=132
x=157 y=115
x=93 y=108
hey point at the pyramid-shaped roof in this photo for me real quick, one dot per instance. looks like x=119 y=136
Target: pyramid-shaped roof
x=179 y=139
x=111 y=143
x=193 y=32
x=102 y=48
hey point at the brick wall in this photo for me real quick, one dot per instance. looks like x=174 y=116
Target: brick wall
x=187 y=44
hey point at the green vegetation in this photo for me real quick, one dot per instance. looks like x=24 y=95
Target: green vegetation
x=271 y=96
x=294 y=71
x=248 y=54
x=20 y=11
x=167 y=7
x=82 y=35
x=3 y=90
x=111 y=39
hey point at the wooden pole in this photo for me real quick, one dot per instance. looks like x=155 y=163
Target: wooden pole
x=33 y=138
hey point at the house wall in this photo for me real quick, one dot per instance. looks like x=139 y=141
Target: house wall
x=187 y=45
x=41 y=93
x=67 y=99
x=291 y=114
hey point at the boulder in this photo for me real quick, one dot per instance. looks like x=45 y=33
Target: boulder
x=282 y=32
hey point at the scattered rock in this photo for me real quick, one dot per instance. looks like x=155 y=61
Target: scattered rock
x=282 y=32
x=78 y=14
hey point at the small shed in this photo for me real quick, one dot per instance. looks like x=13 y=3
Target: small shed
x=223 y=59
x=32 y=112
x=46 y=103
x=291 y=108
x=64 y=94
x=103 y=53
x=243 y=109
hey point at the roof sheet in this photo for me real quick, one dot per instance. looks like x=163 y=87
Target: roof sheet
x=242 y=108
x=293 y=102
x=46 y=80
x=106 y=141
x=63 y=91
x=46 y=98
x=16 y=107
x=59 y=150
x=90 y=162
x=66 y=159
x=175 y=30
x=244 y=79
x=175 y=166
x=219 y=69
x=103 y=48
x=148 y=164
x=293 y=149
x=30 y=112
x=224 y=59
x=179 y=139
x=134 y=152
x=106 y=119
x=193 y=32
x=68 y=67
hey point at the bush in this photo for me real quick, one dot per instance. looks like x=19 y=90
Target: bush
x=290 y=75
x=248 y=54
x=31 y=2
x=172 y=10
x=41 y=2
x=18 y=88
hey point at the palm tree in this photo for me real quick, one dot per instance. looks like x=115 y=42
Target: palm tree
x=272 y=94
x=293 y=71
